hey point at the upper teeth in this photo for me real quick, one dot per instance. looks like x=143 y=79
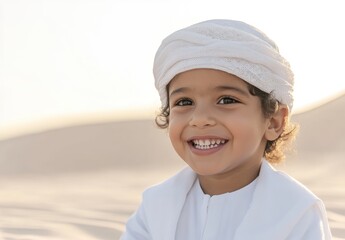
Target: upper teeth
x=207 y=143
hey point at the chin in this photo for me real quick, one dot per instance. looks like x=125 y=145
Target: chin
x=206 y=171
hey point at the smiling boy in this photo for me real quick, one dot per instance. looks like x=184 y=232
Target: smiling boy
x=226 y=97
x=218 y=128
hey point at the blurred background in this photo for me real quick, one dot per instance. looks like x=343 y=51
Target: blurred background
x=77 y=102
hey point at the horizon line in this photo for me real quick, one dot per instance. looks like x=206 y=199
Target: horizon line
x=148 y=113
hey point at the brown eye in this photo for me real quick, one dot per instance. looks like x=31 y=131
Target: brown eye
x=184 y=102
x=227 y=100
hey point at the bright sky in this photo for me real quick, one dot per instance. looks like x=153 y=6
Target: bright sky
x=60 y=59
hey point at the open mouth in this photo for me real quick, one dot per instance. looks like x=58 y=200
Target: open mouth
x=204 y=144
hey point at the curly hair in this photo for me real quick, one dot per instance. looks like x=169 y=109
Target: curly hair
x=274 y=150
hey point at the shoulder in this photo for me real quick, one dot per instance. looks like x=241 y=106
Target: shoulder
x=303 y=211
x=162 y=203
x=174 y=187
x=281 y=195
x=284 y=185
x=281 y=201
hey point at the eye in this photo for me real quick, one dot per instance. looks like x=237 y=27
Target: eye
x=184 y=102
x=227 y=100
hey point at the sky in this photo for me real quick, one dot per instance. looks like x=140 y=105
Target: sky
x=73 y=60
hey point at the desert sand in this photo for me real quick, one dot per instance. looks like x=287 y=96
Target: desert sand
x=83 y=182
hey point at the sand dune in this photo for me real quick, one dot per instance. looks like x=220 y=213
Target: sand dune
x=90 y=147
x=83 y=182
x=320 y=159
x=323 y=128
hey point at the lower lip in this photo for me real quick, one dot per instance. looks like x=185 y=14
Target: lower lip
x=204 y=152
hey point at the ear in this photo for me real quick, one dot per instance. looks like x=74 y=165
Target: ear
x=276 y=123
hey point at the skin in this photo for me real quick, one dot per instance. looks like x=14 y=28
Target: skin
x=212 y=106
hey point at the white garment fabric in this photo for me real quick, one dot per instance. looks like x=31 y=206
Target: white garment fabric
x=227 y=45
x=280 y=209
x=208 y=217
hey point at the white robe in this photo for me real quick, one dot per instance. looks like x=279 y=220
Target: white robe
x=280 y=209
x=212 y=217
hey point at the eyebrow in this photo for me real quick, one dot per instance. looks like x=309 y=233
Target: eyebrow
x=178 y=90
x=232 y=88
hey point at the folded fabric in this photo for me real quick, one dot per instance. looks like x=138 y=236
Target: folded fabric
x=231 y=46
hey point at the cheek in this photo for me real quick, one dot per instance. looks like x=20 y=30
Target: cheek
x=248 y=126
x=175 y=128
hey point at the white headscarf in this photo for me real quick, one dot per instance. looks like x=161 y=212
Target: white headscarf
x=231 y=46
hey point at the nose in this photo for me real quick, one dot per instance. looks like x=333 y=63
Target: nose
x=201 y=118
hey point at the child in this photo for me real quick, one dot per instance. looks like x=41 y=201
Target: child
x=226 y=97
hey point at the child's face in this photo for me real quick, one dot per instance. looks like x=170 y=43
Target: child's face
x=215 y=125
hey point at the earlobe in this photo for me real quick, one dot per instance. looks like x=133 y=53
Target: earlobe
x=277 y=123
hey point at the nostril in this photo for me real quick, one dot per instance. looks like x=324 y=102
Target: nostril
x=206 y=122
x=201 y=120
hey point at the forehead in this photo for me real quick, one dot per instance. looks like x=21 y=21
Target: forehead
x=206 y=79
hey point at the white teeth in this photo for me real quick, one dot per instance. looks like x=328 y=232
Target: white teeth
x=207 y=143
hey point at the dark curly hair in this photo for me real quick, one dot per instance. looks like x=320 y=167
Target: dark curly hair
x=274 y=151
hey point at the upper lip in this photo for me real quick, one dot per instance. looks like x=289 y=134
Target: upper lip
x=206 y=137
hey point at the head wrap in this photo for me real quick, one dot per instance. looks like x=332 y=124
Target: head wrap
x=227 y=45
